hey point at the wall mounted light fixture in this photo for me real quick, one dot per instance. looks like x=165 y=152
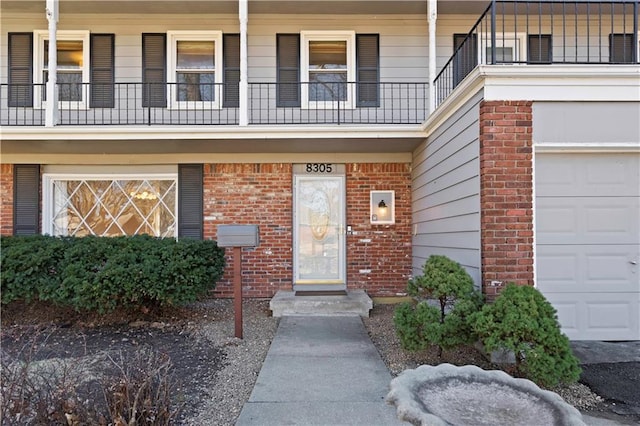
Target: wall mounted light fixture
x=382 y=207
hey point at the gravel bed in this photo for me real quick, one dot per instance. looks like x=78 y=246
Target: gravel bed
x=382 y=332
x=224 y=394
x=221 y=403
x=216 y=371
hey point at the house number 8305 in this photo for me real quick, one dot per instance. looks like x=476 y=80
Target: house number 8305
x=319 y=168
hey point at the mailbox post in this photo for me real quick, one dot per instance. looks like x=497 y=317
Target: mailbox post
x=238 y=236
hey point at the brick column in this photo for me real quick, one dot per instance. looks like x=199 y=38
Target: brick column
x=506 y=194
x=6 y=195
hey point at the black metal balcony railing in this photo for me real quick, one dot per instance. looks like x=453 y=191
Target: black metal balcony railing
x=537 y=32
x=217 y=104
x=338 y=103
x=118 y=104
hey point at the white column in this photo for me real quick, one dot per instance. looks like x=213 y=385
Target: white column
x=51 y=113
x=433 y=15
x=243 y=11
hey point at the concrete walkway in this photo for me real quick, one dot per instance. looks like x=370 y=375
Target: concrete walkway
x=323 y=370
x=320 y=371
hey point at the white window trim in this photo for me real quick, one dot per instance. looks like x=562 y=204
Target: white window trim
x=350 y=38
x=517 y=41
x=39 y=37
x=48 y=198
x=172 y=57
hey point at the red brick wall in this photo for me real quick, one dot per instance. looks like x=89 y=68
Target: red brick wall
x=388 y=255
x=6 y=194
x=506 y=194
x=253 y=194
x=262 y=194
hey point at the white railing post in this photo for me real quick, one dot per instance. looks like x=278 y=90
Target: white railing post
x=243 y=10
x=51 y=113
x=433 y=15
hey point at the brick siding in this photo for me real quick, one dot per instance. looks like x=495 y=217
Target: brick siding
x=388 y=255
x=262 y=194
x=6 y=194
x=506 y=194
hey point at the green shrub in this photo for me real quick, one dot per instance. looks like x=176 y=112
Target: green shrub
x=523 y=321
x=30 y=265
x=445 y=299
x=99 y=273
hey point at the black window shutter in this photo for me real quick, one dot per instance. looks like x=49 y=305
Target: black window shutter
x=288 y=70
x=102 y=70
x=621 y=49
x=154 y=70
x=467 y=57
x=190 y=193
x=539 y=49
x=26 y=199
x=20 y=52
x=368 y=70
x=231 y=76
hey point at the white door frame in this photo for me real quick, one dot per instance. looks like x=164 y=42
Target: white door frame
x=319 y=217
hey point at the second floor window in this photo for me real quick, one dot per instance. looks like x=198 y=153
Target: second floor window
x=72 y=66
x=70 y=63
x=195 y=69
x=509 y=49
x=328 y=68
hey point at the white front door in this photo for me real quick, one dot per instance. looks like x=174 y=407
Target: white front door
x=319 y=257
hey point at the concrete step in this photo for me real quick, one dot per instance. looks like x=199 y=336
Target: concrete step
x=355 y=302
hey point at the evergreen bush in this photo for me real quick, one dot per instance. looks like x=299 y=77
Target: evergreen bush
x=523 y=321
x=101 y=273
x=445 y=298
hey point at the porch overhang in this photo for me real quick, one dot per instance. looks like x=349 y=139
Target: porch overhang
x=170 y=145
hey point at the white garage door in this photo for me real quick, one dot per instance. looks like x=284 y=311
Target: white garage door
x=588 y=242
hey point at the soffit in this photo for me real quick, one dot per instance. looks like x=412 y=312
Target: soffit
x=255 y=6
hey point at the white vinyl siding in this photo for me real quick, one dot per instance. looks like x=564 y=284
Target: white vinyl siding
x=575 y=123
x=446 y=192
x=403 y=38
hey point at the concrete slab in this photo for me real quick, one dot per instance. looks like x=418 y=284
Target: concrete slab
x=286 y=378
x=286 y=303
x=321 y=336
x=318 y=413
x=320 y=371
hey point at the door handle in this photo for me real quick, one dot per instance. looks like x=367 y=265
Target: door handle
x=633 y=262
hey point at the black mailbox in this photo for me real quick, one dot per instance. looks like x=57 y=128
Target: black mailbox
x=238 y=236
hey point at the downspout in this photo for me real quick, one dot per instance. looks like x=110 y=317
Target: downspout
x=433 y=15
x=51 y=114
x=243 y=10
